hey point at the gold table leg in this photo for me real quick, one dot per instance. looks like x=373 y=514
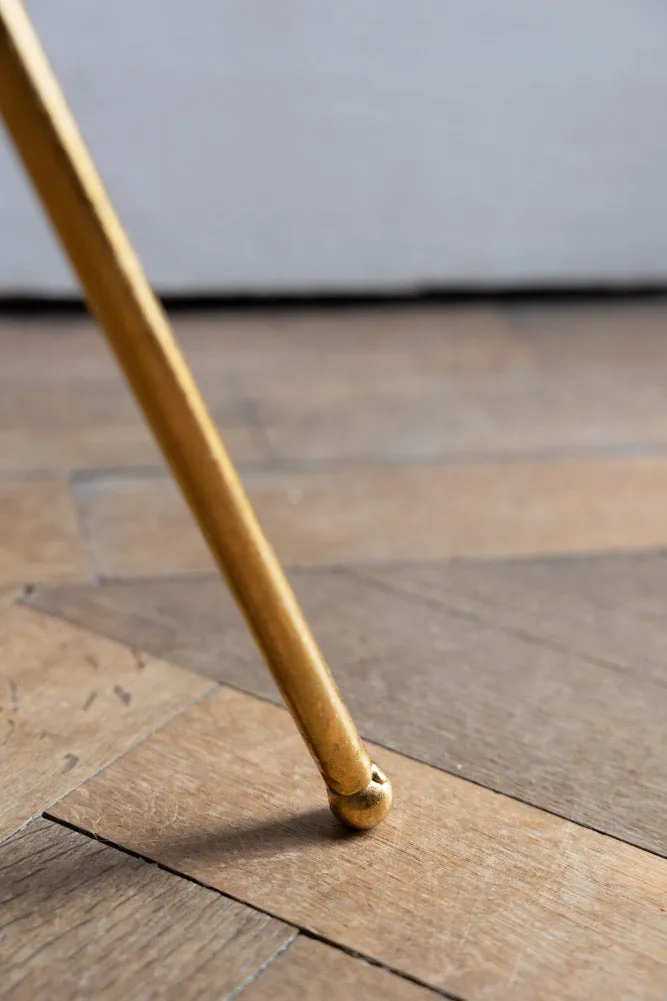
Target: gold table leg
x=118 y=293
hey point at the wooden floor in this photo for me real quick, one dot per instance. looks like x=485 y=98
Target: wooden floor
x=472 y=505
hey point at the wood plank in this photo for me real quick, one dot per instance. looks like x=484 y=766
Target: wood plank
x=437 y=417
x=429 y=381
x=71 y=702
x=39 y=533
x=407 y=381
x=262 y=348
x=79 y=920
x=497 y=691
x=611 y=607
x=513 y=411
x=322 y=973
x=128 y=522
x=56 y=349
x=49 y=349
x=630 y=332
x=70 y=426
x=386 y=514
x=411 y=382
x=10 y=595
x=471 y=892
x=65 y=406
x=92 y=426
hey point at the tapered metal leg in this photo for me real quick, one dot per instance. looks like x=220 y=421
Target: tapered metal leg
x=118 y=293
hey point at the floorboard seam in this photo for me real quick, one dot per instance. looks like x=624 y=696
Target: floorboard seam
x=281 y=950
x=299 y=569
x=426 y=601
x=306 y=932
x=272 y=465
x=218 y=685
x=112 y=761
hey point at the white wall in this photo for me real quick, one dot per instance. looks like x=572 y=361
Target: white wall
x=362 y=144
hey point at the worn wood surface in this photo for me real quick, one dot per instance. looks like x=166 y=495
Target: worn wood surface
x=459 y=666
x=80 y=920
x=384 y=441
x=311 y=969
x=610 y=607
x=400 y=383
x=65 y=407
x=52 y=428
x=385 y=514
x=414 y=383
x=470 y=891
x=70 y=702
x=552 y=380
x=39 y=533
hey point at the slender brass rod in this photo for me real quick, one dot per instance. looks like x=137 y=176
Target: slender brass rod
x=119 y=295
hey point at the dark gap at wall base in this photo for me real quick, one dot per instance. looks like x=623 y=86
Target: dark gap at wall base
x=34 y=305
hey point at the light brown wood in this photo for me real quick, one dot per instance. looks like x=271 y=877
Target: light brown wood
x=91 y=427
x=626 y=331
x=52 y=350
x=407 y=417
x=387 y=383
x=421 y=513
x=47 y=427
x=71 y=702
x=557 y=380
x=263 y=348
x=525 y=684
x=80 y=920
x=428 y=381
x=125 y=540
x=608 y=607
x=10 y=595
x=396 y=384
x=65 y=406
x=471 y=892
x=55 y=348
x=39 y=533
x=317 y=971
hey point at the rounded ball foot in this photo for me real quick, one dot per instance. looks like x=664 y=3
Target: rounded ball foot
x=363 y=810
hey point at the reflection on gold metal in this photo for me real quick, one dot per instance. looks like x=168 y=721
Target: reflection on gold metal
x=118 y=293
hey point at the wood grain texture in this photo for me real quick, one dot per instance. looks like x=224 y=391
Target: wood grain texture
x=125 y=540
x=94 y=426
x=469 y=891
x=425 y=382
x=39 y=533
x=52 y=350
x=383 y=514
x=406 y=382
x=554 y=390
x=521 y=676
x=60 y=427
x=69 y=703
x=80 y=920
x=263 y=348
x=65 y=406
x=607 y=329
x=311 y=969
x=608 y=607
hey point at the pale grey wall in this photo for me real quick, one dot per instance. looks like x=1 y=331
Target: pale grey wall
x=312 y=144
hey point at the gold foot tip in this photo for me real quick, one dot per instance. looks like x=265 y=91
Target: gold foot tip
x=363 y=810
